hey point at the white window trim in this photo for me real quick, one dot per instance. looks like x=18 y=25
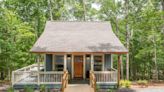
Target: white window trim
x=64 y=63
x=92 y=61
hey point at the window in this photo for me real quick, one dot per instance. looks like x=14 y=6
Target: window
x=98 y=62
x=59 y=62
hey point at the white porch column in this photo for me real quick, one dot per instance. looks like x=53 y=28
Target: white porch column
x=72 y=66
x=44 y=62
x=103 y=60
x=84 y=57
x=38 y=61
x=92 y=62
x=65 y=62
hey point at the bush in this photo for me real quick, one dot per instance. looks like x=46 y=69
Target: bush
x=110 y=90
x=29 y=89
x=97 y=87
x=125 y=83
x=42 y=88
x=142 y=83
x=10 y=89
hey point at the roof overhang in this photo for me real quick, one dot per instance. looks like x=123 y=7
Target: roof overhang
x=78 y=37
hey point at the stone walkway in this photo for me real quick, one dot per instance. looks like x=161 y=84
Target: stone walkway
x=78 y=88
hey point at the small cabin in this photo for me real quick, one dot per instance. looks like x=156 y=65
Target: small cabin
x=81 y=51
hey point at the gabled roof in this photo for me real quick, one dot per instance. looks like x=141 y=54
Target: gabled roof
x=78 y=37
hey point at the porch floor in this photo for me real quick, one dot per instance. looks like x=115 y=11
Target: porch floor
x=79 y=88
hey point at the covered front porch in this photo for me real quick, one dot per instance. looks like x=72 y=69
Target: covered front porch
x=79 y=65
x=71 y=66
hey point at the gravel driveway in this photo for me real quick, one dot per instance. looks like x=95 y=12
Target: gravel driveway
x=149 y=89
x=161 y=89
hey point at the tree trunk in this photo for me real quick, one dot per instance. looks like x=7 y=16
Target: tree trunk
x=127 y=39
x=84 y=16
x=50 y=10
x=9 y=74
x=155 y=60
x=2 y=75
x=117 y=28
x=162 y=3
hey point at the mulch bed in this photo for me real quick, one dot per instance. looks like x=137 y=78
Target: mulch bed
x=4 y=85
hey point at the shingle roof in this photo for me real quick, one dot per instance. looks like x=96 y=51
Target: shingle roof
x=78 y=37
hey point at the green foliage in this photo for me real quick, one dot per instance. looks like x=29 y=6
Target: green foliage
x=97 y=87
x=142 y=83
x=23 y=21
x=111 y=90
x=42 y=88
x=10 y=89
x=125 y=83
x=28 y=89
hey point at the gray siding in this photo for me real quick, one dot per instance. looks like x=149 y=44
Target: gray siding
x=49 y=62
x=69 y=66
x=107 y=62
x=87 y=67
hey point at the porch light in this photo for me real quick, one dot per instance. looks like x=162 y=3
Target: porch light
x=68 y=57
x=88 y=57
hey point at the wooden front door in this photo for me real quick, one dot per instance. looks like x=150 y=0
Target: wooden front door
x=78 y=66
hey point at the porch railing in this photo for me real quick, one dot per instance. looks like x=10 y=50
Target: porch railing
x=93 y=80
x=31 y=75
x=64 y=81
x=106 y=76
x=54 y=77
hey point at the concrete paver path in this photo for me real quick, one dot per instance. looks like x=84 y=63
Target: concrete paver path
x=78 y=88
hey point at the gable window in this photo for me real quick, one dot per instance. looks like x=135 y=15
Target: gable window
x=98 y=62
x=58 y=62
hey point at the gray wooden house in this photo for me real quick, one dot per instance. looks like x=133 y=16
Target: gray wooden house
x=73 y=50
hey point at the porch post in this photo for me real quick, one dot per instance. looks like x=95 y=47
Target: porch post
x=92 y=62
x=72 y=66
x=65 y=62
x=38 y=61
x=118 y=67
x=84 y=62
x=103 y=60
x=44 y=62
x=122 y=68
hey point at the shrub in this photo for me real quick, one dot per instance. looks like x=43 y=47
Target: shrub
x=29 y=89
x=10 y=89
x=142 y=83
x=42 y=88
x=110 y=90
x=97 y=87
x=125 y=83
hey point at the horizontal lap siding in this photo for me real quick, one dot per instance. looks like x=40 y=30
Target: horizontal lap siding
x=107 y=62
x=49 y=62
